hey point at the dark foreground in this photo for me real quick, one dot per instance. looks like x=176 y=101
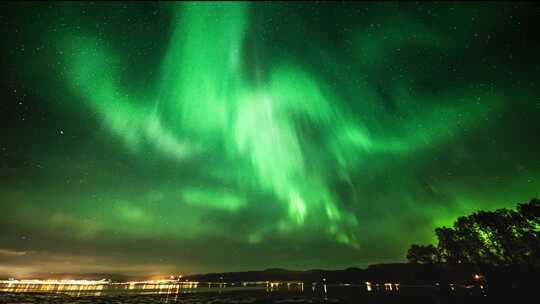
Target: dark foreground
x=337 y=294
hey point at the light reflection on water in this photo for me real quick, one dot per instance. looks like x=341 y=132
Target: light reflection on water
x=16 y=292
x=98 y=288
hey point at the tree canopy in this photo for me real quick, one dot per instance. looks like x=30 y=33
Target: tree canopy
x=502 y=237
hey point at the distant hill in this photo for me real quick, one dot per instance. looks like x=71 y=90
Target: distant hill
x=403 y=273
x=398 y=272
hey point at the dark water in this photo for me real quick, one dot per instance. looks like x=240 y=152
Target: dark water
x=336 y=294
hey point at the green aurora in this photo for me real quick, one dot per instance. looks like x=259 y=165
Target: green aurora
x=156 y=138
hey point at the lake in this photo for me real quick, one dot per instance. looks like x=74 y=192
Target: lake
x=254 y=293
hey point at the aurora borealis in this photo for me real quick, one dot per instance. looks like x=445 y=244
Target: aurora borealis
x=157 y=138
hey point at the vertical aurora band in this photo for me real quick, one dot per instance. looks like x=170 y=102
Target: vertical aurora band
x=204 y=104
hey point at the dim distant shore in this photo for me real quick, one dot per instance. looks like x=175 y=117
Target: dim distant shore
x=405 y=273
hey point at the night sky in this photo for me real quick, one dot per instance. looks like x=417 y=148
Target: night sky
x=162 y=138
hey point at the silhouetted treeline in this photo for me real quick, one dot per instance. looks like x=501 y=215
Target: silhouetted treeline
x=502 y=245
x=502 y=237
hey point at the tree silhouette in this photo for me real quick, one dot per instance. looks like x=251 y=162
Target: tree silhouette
x=425 y=254
x=499 y=238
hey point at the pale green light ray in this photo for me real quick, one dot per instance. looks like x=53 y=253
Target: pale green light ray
x=204 y=106
x=218 y=199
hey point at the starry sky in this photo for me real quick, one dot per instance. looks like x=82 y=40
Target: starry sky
x=157 y=138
